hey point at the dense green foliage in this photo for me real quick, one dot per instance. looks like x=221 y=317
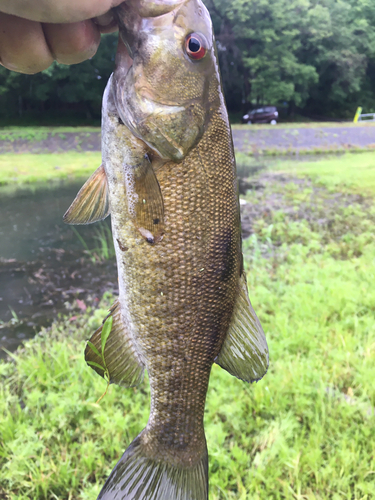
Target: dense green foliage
x=305 y=431
x=60 y=93
x=312 y=56
x=318 y=55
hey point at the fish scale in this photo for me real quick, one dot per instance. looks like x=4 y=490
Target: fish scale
x=169 y=180
x=186 y=326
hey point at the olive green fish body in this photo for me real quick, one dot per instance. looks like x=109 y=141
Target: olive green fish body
x=169 y=181
x=177 y=296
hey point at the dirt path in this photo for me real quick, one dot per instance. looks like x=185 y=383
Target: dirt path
x=304 y=139
x=248 y=140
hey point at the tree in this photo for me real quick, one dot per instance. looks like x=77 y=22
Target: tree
x=271 y=37
x=314 y=54
x=60 y=88
x=345 y=59
x=318 y=56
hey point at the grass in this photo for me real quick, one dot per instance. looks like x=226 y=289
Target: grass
x=29 y=168
x=345 y=172
x=41 y=133
x=305 y=432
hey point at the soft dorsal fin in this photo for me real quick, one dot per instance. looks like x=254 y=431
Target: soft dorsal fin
x=92 y=201
x=244 y=353
x=120 y=356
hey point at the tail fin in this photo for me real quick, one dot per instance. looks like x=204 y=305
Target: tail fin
x=138 y=477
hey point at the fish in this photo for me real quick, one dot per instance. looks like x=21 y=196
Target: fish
x=168 y=179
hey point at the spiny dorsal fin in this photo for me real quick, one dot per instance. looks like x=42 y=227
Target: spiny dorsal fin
x=244 y=353
x=92 y=202
x=120 y=355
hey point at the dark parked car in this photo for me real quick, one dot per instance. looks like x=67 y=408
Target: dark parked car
x=267 y=114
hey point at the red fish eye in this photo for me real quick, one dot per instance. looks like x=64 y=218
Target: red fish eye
x=196 y=46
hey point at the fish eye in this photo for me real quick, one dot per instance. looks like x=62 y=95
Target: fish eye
x=196 y=46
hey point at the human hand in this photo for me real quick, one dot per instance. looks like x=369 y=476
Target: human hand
x=35 y=33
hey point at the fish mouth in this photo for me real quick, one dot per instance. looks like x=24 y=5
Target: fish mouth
x=150 y=8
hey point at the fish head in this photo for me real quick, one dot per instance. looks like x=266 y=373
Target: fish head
x=163 y=95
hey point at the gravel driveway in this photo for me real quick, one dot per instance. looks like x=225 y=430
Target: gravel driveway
x=250 y=140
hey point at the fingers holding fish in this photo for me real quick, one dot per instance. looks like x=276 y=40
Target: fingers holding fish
x=32 y=37
x=30 y=47
x=58 y=11
x=23 y=46
x=72 y=43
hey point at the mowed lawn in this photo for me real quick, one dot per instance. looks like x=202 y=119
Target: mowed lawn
x=26 y=168
x=306 y=431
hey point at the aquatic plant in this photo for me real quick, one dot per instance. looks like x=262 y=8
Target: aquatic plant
x=105 y=249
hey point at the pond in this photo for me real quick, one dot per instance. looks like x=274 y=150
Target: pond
x=45 y=265
x=48 y=267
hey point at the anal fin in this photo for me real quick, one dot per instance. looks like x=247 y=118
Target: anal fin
x=121 y=359
x=92 y=201
x=244 y=353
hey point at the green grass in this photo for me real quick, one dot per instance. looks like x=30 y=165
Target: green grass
x=305 y=432
x=41 y=133
x=29 y=168
x=354 y=172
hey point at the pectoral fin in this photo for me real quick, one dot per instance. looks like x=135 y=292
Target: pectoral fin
x=119 y=357
x=145 y=201
x=244 y=353
x=92 y=201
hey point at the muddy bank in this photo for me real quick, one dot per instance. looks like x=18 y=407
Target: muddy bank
x=32 y=294
x=54 y=143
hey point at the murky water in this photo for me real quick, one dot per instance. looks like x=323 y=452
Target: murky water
x=43 y=265
x=31 y=221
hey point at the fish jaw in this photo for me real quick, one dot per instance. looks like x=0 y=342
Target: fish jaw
x=170 y=131
x=153 y=8
x=163 y=97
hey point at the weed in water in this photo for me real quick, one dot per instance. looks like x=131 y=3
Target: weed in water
x=105 y=249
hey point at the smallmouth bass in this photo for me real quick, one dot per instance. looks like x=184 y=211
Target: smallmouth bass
x=169 y=181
